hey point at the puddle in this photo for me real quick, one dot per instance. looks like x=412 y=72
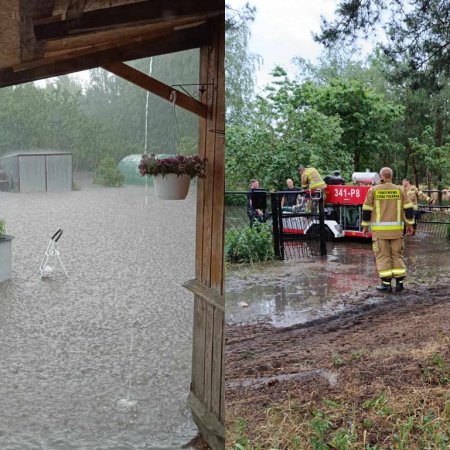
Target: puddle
x=286 y=293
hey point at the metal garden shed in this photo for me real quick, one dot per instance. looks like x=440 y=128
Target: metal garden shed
x=38 y=171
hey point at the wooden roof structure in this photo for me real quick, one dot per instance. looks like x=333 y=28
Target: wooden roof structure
x=46 y=38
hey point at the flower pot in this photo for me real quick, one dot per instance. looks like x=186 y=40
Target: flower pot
x=171 y=186
x=5 y=257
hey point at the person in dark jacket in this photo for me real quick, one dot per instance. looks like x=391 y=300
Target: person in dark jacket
x=290 y=199
x=256 y=202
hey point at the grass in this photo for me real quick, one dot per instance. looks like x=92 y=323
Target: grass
x=392 y=417
x=380 y=423
x=436 y=370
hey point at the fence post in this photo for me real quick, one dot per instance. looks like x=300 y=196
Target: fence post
x=322 y=232
x=275 y=225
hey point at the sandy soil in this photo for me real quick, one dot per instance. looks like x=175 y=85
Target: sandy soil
x=379 y=345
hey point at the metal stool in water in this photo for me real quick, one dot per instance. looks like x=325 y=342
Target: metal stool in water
x=52 y=257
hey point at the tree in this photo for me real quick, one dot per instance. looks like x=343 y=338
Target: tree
x=365 y=118
x=418 y=35
x=283 y=132
x=240 y=65
x=122 y=105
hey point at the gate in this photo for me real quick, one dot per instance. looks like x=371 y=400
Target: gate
x=434 y=219
x=298 y=224
x=296 y=230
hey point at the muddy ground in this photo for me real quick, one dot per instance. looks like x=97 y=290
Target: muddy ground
x=373 y=346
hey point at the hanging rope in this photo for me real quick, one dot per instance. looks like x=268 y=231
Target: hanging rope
x=150 y=65
x=173 y=99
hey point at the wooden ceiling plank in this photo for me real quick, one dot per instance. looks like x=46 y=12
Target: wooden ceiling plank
x=177 y=41
x=89 y=49
x=157 y=87
x=49 y=19
x=151 y=10
x=71 y=43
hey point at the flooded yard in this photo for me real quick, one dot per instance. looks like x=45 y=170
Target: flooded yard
x=317 y=346
x=102 y=360
x=285 y=293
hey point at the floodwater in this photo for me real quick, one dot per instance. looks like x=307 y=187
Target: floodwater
x=100 y=361
x=286 y=293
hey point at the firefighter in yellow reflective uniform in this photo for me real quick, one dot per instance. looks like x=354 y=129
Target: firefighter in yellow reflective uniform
x=386 y=209
x=414 y=194
x=310 y=178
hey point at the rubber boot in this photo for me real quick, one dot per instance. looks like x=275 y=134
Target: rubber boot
x=385 y=285
x=399 y=284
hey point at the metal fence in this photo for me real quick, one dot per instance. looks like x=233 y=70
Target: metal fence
x=299 y=227
x=441 y=197
x=260 y=225
x=434 y=219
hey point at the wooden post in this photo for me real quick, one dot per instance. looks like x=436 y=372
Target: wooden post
x=206 y=397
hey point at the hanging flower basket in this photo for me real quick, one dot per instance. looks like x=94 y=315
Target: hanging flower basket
x=171 y=186
x=172 y=174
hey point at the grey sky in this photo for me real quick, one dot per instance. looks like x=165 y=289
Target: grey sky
x=283 y=29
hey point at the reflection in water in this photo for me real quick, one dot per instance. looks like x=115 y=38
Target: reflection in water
x=296 y=291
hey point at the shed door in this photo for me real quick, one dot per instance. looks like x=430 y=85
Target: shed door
x=59 y=173
x=32 y=173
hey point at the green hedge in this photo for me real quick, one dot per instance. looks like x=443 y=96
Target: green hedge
x=250 y=244
x=108 y=174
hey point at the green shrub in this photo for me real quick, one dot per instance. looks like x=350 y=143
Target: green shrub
x=249 y=244
x=235 y=199
x=107 y=173
x=2 y=226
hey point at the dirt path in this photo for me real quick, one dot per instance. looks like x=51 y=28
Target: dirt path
x=397 y=345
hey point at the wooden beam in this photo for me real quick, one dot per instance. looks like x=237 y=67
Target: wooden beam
x=142 y=31
x=157 y=87
x=146 y=11
x=90 y=49
x=209 y=295
x=207 y=384
x=212 y=430
x=176 y=41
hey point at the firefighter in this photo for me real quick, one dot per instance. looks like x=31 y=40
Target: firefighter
x=385 y=209
x=414 y=194
x=310 y=178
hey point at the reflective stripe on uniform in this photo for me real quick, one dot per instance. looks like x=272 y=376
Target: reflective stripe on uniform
x=365 y=224
x=378 y=226
x=386 y=227
x=385 y=273
x=399 y=211
x=408 y=205
x=367 y=208
x=399 y=272
x=317 y=185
